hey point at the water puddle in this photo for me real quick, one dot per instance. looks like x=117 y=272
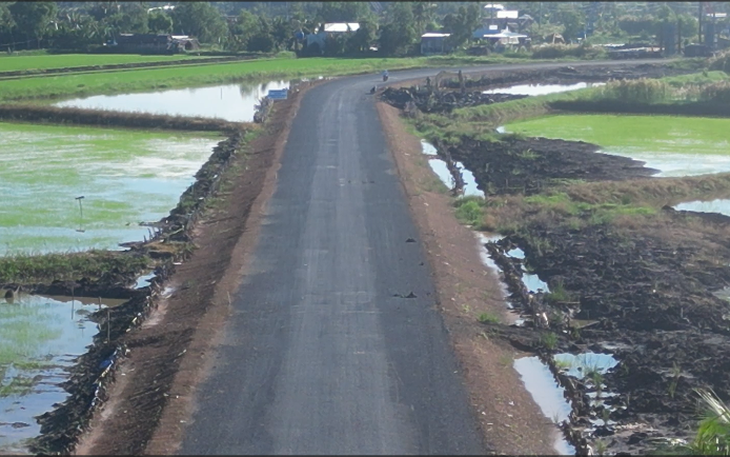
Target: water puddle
x=470 y=185
x=540 y=89
x=531 y=281
x=40 y=339
x=720 y=206
x=591 y=367
x=428 y=149
x=581 y=365
x=144 y=280
x=548 y=395
x=439 y=167
x=534 y=283
x=231 y=102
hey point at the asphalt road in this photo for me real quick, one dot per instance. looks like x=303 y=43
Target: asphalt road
x=323 y=355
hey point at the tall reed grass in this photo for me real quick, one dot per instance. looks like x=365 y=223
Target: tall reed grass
x=640 y=90
x=716 y=92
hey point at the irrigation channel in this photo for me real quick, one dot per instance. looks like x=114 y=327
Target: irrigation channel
x=618 y=323
x=72 y=188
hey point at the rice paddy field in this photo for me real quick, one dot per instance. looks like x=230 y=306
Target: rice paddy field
x=124 y=176
x=40 y=337
x=675 y=145
x=141 y=79
x=46 y=61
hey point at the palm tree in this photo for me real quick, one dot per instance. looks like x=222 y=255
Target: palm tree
x=713 y=434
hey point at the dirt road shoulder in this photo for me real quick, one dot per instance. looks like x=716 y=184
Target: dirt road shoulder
x=151 y=400
x=511 y=421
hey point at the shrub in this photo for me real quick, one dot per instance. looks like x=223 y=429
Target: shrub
x=641 y=90
x=557 y=51
x=717 y=92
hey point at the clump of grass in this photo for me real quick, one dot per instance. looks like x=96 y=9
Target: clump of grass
x=46 y=268
x=558 y=293
x=549 y=341
x=470 y=210
x=488 y=318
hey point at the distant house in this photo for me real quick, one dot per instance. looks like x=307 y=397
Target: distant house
x=148 y=43
x=435 y=43
x=501 y=37
x=318 y=39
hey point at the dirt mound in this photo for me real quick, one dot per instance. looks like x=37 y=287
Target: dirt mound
x=529 y=165
x=438 y=102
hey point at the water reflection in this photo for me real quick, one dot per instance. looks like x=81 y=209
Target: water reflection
x=40 y=339
x=720 y=206
x=231 y=102
x=548 y=395
x=541 y=89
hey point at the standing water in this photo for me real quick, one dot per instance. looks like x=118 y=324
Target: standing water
x=232 y=102
x=548 y=395
x=675 y=145
x=40 y=339
x=439 y=167
x=124 y=176
x=540 y=89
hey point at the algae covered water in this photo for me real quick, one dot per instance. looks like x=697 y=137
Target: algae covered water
x=40 y=339
x=676 y=145
x=74 y=188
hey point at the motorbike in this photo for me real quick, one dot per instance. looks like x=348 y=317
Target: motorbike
x=385 y=78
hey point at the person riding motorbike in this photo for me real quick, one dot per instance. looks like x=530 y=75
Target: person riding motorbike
x=385 y=75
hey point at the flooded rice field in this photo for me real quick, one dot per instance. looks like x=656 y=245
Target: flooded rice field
x=719 y=206
x=40 y=339
x=231 y=102
x=675 y=145
x=541 y=89
x=125 y=177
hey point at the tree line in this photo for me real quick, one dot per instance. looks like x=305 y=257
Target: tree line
x=394 y=28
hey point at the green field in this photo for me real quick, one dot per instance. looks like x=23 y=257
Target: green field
x=679 y=146
x=696 y=135
x=142 y=79
x=44 y=62
x=125 y=176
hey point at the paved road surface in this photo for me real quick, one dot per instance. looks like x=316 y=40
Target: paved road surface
x=323 y=355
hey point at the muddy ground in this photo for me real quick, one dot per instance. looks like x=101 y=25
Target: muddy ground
x=646 y=291
x=446 y=95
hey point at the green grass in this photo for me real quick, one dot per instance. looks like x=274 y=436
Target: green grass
x=142 y=79
x=470 y=210
x=488 y=318
x=47 y=61
x=630 y=133
x=46 y=268
x=696 y=78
